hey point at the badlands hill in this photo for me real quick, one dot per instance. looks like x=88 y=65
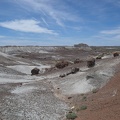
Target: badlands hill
x=47 y=96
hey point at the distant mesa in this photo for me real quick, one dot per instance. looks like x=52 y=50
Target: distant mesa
x=83 y=46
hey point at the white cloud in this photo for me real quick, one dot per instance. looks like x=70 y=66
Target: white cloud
x=111 y=32
x=26 y=26
x=53 y=9
x=44 y=21
x=109 y=36
x=2 y=36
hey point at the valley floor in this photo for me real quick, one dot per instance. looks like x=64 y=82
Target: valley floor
x=47 y=96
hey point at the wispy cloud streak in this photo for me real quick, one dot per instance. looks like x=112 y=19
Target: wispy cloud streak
x=26 y=26
x=53 y=9
x=111 y=32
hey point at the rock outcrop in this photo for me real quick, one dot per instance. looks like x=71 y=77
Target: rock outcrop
x=61 y=64
x=83 y=46
x=91 y=62
x=115 y=54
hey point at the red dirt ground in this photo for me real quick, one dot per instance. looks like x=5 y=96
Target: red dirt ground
x=103 y=105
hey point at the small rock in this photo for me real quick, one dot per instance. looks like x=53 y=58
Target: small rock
x=74 y=70
x=89 y=77
x=63 y=75
x=35 y=71
x=69 y=97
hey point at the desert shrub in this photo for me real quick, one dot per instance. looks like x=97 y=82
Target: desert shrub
x=94 y=90
x=84 y=98
x=71 y=116
x=84 y=107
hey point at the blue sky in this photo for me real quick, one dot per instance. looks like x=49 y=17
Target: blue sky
x=59 y=22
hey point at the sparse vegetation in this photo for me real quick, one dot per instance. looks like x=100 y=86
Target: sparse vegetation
x=94 y=90
x=71 y=116
x=84 y=98
x=84 y=107
x=50 y=61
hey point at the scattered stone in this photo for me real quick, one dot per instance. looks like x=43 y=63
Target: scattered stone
x=91 y=62
x=89 y=77
x=74 y=70
x=68 y=73
x=77 y=61
x=115 y=54
x=69 y=97
x=62 y=64
x=35 y=71
x=70 y=111
x=63 y=75
x=21 y=84
x=98 y=57
x=71 y=116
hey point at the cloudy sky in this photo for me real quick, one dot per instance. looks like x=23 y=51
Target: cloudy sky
x=59 y=22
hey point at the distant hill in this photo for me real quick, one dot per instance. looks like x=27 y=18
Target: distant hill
x=83 y=46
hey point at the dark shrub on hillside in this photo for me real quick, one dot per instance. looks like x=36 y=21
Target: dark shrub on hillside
x=84 y=107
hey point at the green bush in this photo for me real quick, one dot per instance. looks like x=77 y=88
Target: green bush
x=94 y=91
x=71 y=116
x=84 y=98
x=84 y=107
